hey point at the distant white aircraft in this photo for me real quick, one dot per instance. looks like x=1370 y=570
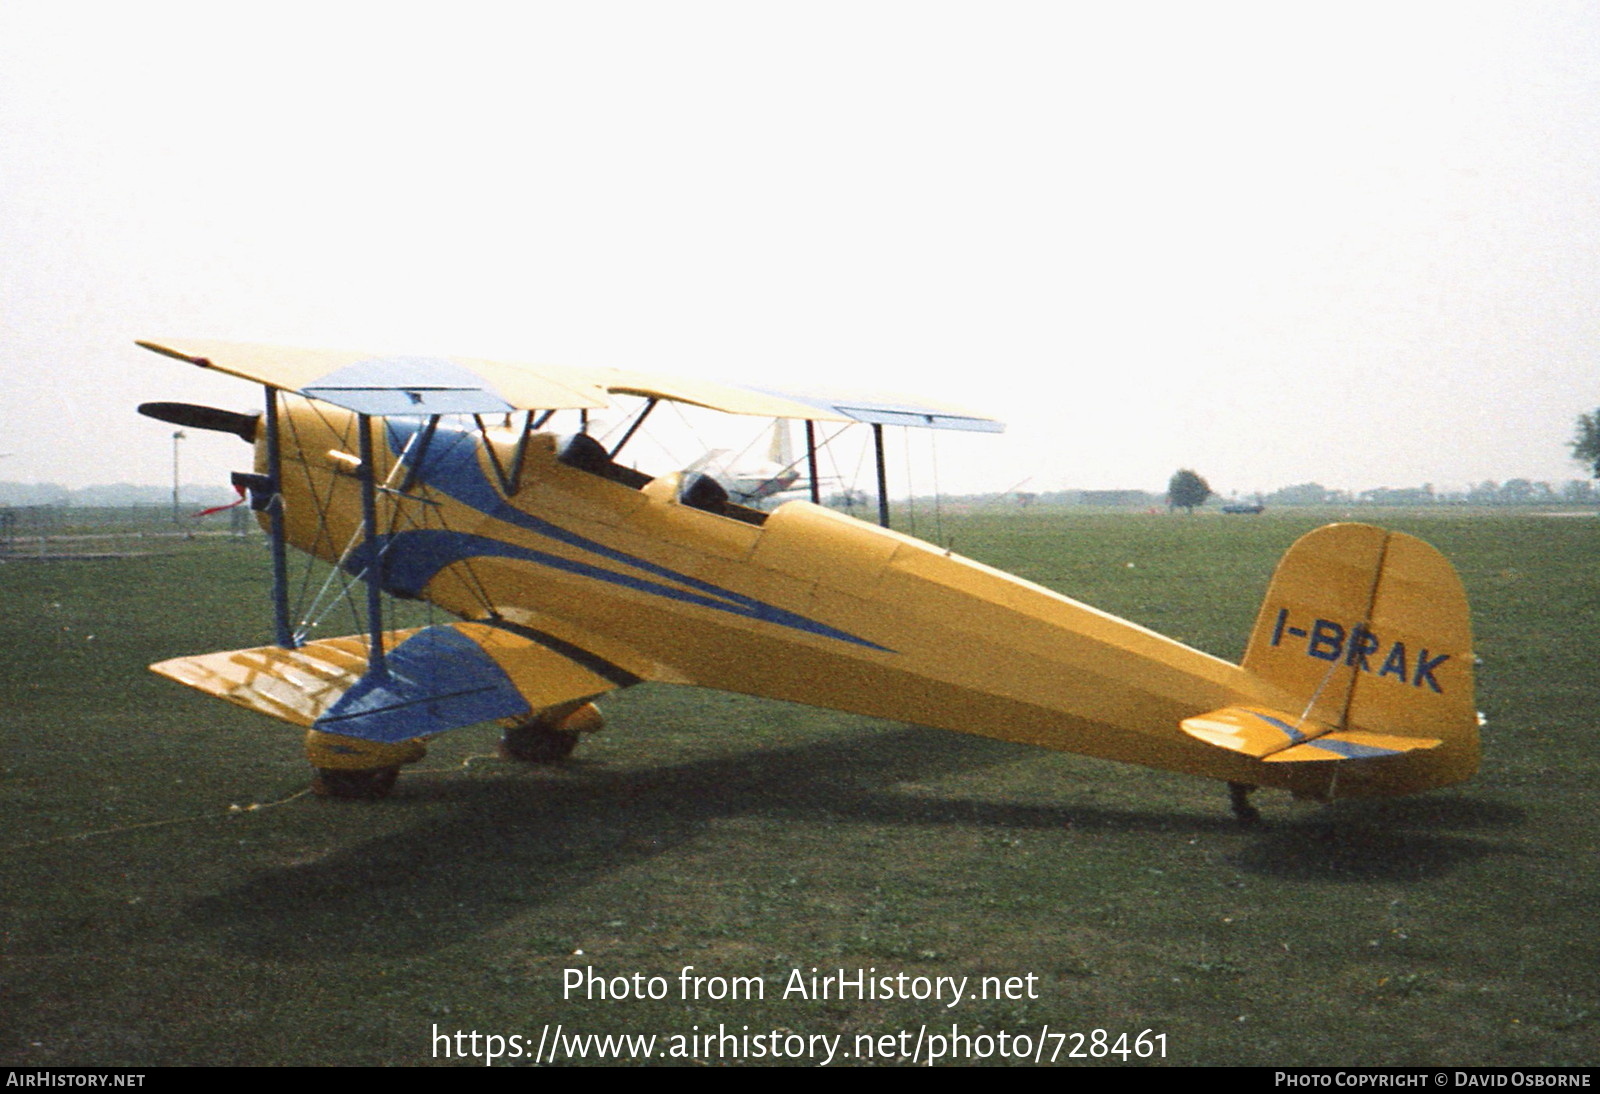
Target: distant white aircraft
x=779 y=474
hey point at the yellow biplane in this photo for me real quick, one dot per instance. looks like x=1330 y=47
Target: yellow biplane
x=569 y=574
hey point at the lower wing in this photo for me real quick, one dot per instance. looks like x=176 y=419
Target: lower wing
x=434 y=679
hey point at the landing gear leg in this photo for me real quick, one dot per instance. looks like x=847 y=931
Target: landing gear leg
x=1247 y=815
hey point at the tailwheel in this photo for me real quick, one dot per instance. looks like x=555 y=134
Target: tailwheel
x=551 y=735
x=353 y=769
x=1247 y=815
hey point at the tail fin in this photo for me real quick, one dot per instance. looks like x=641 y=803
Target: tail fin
x=1368 y=630
x=779 y=451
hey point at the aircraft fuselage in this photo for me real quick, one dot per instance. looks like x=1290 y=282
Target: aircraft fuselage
x=803 y=604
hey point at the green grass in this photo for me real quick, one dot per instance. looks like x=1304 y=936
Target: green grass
x=750 y=839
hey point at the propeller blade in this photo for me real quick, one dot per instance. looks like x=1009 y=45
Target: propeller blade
x=203 y=417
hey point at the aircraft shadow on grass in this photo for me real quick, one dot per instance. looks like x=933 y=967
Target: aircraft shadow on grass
x=1368 y=841
x=509 y=845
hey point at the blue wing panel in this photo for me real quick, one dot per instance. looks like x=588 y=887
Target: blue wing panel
x=398 y=386
x=437 y=680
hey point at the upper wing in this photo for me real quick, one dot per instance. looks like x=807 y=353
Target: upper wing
x=392 y=386
x=886 y=409
x=395 y=386
x=768 y=402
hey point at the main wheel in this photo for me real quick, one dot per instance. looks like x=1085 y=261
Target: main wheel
x=355 y=769
x=371 y=784
x=538 y=744
x=551 y=735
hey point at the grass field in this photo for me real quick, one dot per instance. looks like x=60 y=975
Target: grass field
x=145 y=922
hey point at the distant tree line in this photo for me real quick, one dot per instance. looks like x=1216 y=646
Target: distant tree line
x=119 y=494
x=1510 y=492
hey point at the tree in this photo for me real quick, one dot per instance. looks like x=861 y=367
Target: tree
x=1578 y=492
x=1187 y=490
x=1516 y=492
x=1586 y=445
x=1484 y=493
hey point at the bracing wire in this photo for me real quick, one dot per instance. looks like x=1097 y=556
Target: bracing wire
x=347 y=582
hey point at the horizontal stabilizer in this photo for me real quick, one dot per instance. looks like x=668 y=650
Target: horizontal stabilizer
x=1352 y=744
x=1276 y=737
x=436 y=678
x=1254 y=731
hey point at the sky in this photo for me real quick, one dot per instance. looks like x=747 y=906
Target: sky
x=1350 y=243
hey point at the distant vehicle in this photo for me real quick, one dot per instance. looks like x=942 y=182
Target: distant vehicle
x=570 y=575
x=1244 y=507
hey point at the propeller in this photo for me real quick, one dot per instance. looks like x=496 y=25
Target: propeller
x=204 y=417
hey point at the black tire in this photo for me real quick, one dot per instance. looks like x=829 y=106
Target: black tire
x=537 y=744
x=373 y=784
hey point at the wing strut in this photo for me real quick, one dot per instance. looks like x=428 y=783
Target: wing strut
x=634 y=428
x=280 y=559
x=883 y=475
x=376 y=666
x=811 y=461
x=509 y=484
x=423 y=440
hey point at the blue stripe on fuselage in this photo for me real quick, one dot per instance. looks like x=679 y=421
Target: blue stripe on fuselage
x=412 y=558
